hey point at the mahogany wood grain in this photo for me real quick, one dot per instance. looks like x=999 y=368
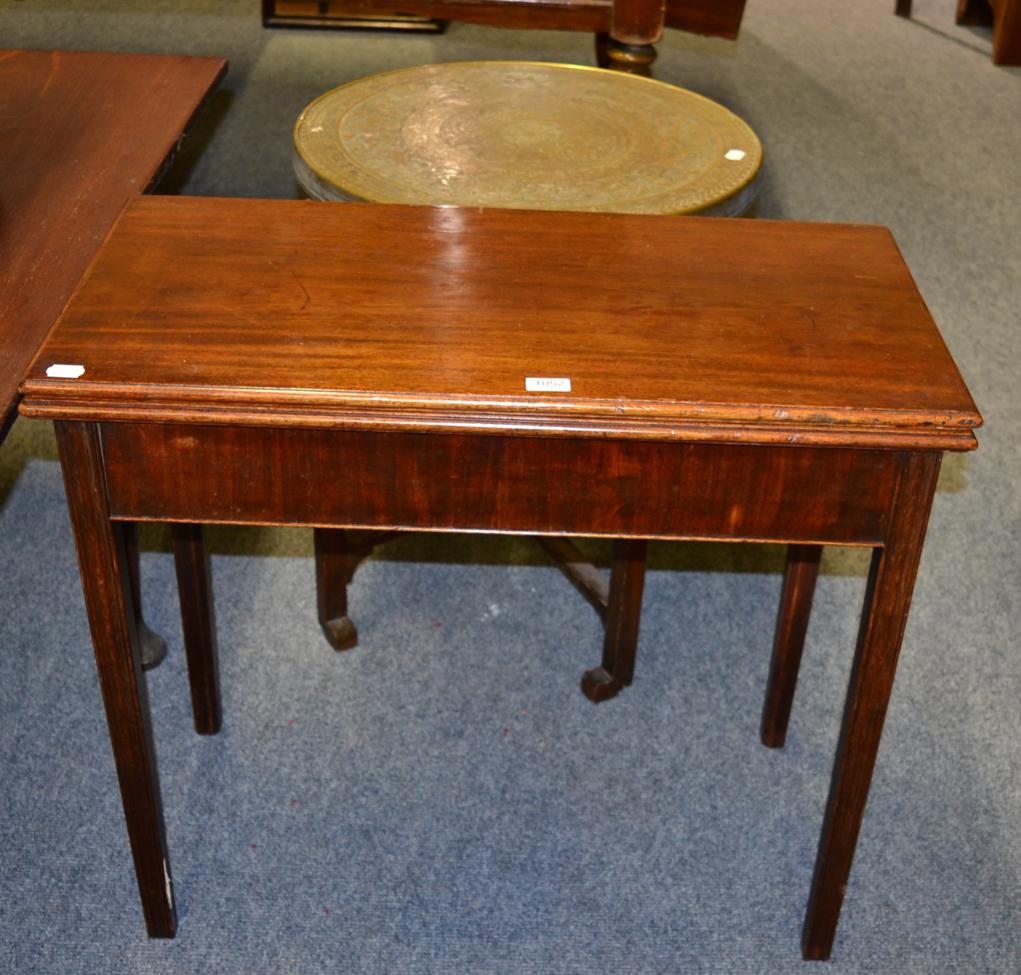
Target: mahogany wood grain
x=198 y=625
x=108 y=600
x=887 y=600
x=81 y=133
x=789 y=640
x=508 y=484
x=299 y=312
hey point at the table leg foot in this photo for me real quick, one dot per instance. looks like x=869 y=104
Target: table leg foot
x=340 y=632
x=629 y=58
x=623 y=615
x=598 y=685
x=338 y=554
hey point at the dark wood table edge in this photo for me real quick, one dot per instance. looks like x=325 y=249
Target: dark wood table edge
x=9 y=410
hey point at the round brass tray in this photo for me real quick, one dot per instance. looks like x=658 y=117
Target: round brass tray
x=526 y=135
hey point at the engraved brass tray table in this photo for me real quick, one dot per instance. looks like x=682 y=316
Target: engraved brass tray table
x=529 y=136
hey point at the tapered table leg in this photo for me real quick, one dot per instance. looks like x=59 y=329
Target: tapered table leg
x=103 y=559
x=887 y=600
x=154 y=647
x=791 y=627
x=623 y=615
x=198 y=624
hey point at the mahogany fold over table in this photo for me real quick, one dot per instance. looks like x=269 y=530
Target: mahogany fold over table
x=373 y=367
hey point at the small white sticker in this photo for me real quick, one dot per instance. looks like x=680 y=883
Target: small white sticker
x=546 y=384
x=735 y=155
x=60 y=370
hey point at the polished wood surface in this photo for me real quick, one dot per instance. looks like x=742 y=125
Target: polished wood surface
x=296 y=312
x=362 y=367
x=81 y=133
x=606 y=486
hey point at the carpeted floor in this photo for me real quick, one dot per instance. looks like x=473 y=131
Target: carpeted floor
x=443 y=799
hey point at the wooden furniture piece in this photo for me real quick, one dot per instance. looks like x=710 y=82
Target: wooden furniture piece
x=81 y=132
x=626 y=30
x=523 y=135
x=1003 y=15
x=391 y=367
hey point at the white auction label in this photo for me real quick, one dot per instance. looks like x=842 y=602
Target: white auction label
x=546 y=384
x=62 y=370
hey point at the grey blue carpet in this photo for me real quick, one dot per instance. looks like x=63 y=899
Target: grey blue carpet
x=442 y=799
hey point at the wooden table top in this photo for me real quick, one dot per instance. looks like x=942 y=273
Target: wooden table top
x=80 y=132
x=526 y=135
x=345 y=315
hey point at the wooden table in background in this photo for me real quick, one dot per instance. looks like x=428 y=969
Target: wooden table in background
x=362 y=366
x=626 y=30
x=80 y=134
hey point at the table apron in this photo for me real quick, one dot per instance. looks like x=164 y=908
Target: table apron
x=498 y=483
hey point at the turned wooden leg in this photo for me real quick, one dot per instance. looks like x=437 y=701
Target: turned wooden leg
x=104 y=563
x=198 y=624
x=623 y=615
x=629 y=58
x=154 y=647
x=338 y=555
x=887 y=599
x=791 y=626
